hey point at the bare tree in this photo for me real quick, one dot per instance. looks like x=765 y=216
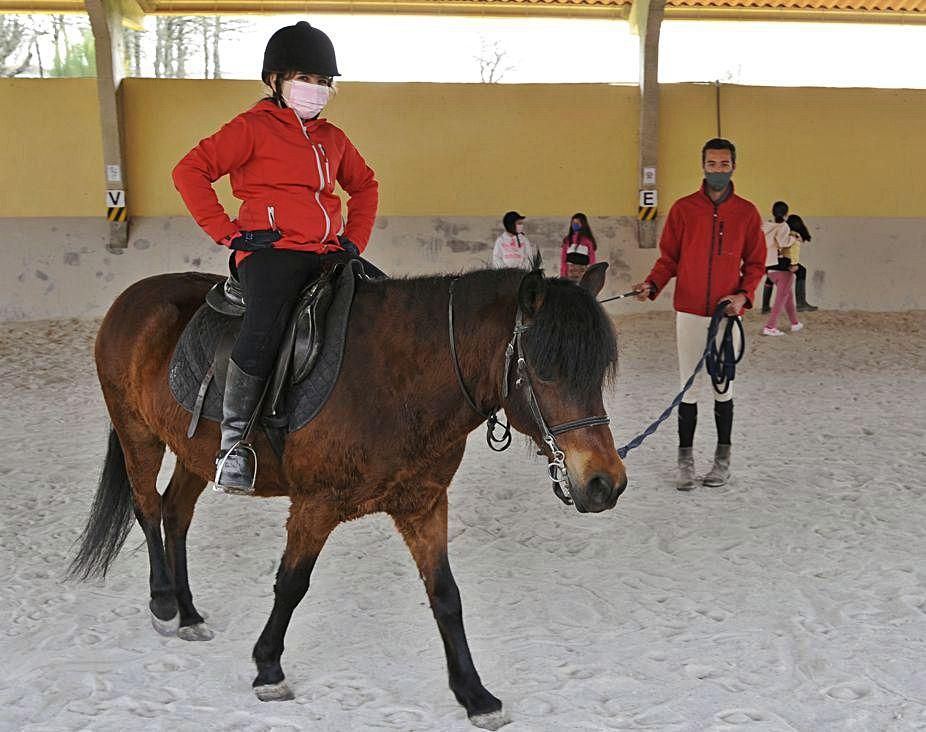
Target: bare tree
x=214 y=30
x=491 y=60
x=217 y=24
x=732 y=75
x=17 y=41
x=176 y=41
x=132 y=43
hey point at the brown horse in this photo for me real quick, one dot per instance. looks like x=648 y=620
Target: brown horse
x=389 y=439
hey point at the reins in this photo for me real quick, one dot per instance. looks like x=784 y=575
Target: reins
x=495 y=443
x=514 y=353
x=720 y=363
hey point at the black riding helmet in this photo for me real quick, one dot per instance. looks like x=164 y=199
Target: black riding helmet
x=510 y=219
x=302 y=48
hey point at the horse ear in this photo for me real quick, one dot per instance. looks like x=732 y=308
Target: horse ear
x=531 y=293
x=593 y=279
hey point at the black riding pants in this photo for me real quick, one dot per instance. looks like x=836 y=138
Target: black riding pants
x=272 y=280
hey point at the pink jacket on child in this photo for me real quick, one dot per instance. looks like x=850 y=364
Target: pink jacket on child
x=575 y=240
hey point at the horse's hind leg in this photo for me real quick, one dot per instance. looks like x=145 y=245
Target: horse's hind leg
x=426 y=536
x=309 y=525
x=177 y=508
x=143 y=455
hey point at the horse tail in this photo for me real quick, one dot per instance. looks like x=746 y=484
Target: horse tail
x=110 y=517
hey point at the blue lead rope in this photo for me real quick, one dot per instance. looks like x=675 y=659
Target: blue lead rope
x=721 y=366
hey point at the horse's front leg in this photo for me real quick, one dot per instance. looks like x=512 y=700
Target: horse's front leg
x=426 y=536
x=309 y=525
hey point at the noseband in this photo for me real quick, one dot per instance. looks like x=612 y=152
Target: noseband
x=514 y=353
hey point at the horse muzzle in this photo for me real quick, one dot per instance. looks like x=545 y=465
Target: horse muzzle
x=599 y=494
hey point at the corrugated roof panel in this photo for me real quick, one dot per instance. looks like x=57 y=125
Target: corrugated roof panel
x=819 y=10
x=845 y=6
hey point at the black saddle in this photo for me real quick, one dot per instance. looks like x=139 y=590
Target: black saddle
x=307 y=364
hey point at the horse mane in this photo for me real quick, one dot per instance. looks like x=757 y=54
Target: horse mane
x=570 y=340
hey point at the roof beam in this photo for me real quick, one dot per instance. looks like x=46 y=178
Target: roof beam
x=879 y=11
x=506 y=8
x=133 y=13
x=794 y=14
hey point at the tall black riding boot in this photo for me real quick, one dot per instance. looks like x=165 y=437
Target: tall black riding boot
x=800 y=295
x=236 y=463
x=767 y=296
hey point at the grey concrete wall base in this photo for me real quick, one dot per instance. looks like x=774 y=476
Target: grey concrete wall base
x=55 y=268
x=649 y=234
x=118 y=236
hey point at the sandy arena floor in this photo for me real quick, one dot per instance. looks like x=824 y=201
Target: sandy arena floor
x=793 y=598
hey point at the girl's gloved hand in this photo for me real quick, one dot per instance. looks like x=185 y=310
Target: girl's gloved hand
x=348 y=246
x=251 y=241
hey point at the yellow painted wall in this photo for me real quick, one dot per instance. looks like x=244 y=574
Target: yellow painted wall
x=452 y=149
x=51 y=159
x=838 y=152
x=687 y=119
x=829 y=152
x=476 y=150
x=164 y=118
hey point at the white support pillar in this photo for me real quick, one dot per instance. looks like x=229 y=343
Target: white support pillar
x=646 y=19
x=106 y=21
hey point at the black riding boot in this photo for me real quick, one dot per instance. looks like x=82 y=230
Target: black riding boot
x=767 y=296
x=800 y=295
x=236 y=463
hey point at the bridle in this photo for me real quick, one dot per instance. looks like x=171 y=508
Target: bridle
x=514 y=353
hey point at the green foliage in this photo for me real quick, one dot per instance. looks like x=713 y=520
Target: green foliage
x=78 y=59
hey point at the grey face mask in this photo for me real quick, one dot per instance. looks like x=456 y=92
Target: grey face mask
x=718 y=181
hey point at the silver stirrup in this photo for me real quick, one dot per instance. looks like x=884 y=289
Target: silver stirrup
x=220 y=465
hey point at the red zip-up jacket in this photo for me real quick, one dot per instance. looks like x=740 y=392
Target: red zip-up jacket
x=713 y=250
x=284 y=172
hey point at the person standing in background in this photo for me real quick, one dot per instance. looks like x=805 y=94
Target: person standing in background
x=777 y=236
x=800 y=274
x=578 y=250
x=799 y=235
x=512 y=248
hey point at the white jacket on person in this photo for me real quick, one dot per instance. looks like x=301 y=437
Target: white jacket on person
x=513 y=250
x=777 y=236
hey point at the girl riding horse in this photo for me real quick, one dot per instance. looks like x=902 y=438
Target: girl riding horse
x=284 y=162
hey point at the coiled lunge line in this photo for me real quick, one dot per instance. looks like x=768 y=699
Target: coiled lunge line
x=720 y=362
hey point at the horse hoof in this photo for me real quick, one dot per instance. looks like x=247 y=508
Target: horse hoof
x=198 y=632
x=166 y=627
x=274 y=692
x=492 y=720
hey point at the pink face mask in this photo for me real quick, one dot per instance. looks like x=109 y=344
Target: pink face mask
x=305 y=99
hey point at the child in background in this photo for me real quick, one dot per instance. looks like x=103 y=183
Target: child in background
x=783 y=277
x=578 y=250
x=512 y=248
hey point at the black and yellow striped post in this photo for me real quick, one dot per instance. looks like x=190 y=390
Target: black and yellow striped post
x=116 y=210
x=116 y=214
x=646 y=211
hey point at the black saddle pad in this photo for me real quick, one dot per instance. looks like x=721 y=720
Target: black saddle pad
x=195 y=351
